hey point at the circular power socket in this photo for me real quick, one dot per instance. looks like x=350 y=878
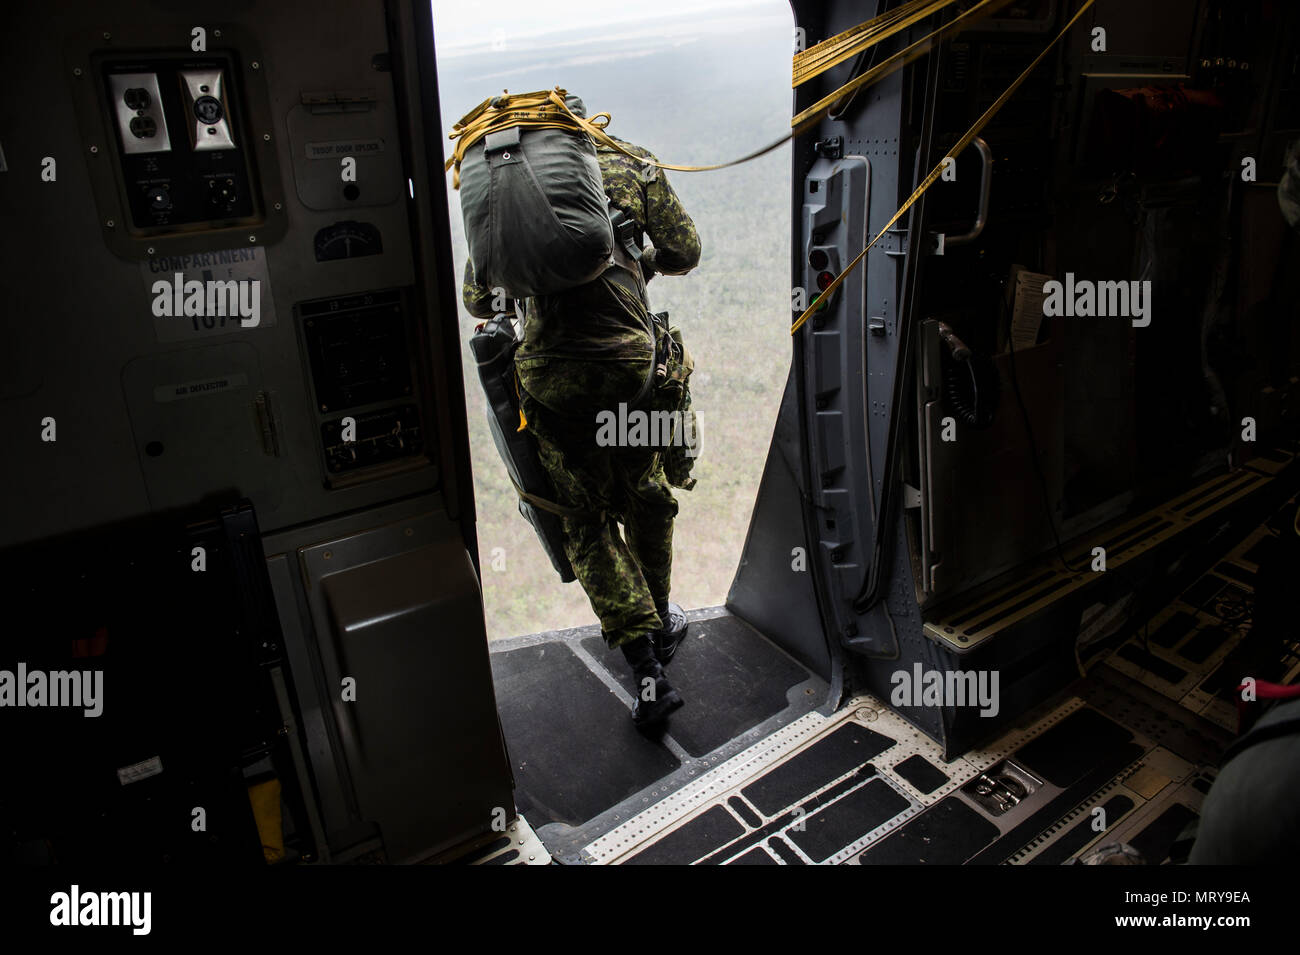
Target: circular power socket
x=208 y=109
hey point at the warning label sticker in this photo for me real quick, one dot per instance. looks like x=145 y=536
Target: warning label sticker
x=351 y=147
x=138 y=771
x=208 y=293
x=194 y=389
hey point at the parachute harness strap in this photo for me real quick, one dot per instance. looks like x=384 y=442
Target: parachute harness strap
x=541 y=110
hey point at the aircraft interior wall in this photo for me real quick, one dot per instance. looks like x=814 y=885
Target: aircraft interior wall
x=1122 y=414
x=222 y=309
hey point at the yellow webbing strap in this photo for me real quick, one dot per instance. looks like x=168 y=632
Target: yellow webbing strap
x=546 y=109
x=523 y=422
x=833 y=51
x=929 y=180
x=572 y=513
x=963 y=21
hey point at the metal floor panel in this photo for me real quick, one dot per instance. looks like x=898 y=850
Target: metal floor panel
x=517 y=844
x=847 y=819
x=1197 y=649
x=1124 y=745
x=744 y=770
x=582 y=769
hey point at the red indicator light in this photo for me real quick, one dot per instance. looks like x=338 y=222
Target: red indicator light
x=824 y=279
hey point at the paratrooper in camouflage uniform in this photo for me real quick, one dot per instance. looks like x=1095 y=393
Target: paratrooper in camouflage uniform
x=586 y=350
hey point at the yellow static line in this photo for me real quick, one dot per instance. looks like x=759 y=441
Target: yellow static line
x=962 y=143
x=833 y=51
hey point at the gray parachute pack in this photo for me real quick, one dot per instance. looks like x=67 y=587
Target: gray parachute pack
x=535 y=211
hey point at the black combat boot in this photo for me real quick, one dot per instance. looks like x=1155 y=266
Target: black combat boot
x=667 y=640
x=664 y=699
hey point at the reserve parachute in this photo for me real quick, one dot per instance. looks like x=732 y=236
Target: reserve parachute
x=493 y=344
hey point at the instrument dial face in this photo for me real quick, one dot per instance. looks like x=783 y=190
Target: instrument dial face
x=347 y=240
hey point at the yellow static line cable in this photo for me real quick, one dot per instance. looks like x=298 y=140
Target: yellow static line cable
x=929 y=180
x=547 y=109
x=962 y=21
x=833 y=51
x=555 y=114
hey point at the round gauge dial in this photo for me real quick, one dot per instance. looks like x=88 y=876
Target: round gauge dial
x=347 y=240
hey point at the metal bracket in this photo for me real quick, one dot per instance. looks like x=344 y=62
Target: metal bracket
x=893 y=242
x=831 y=148
x=911 y=497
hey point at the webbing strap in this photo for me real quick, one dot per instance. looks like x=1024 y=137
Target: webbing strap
x=631 y=269
x=544 y=109
x=523 y=421
x=966 y=139
x=547 y=109
x=814 y=113
x=572 y=513
x=833 y=51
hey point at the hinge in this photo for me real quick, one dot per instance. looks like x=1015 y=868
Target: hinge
x=266 y=424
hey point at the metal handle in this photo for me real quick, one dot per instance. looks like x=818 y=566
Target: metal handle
x=986 y=179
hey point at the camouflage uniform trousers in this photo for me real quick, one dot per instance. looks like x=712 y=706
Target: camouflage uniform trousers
x=624 y=575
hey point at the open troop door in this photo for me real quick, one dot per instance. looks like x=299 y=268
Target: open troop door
x=985 y=471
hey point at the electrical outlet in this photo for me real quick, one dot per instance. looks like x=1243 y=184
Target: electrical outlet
x=209 y=113
x=138 y=107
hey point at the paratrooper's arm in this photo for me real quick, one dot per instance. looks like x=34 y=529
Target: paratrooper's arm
x=676 y=243
x=478 y=300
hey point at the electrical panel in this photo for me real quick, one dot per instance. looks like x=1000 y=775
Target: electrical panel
x=182 y=153
x=188 y=187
